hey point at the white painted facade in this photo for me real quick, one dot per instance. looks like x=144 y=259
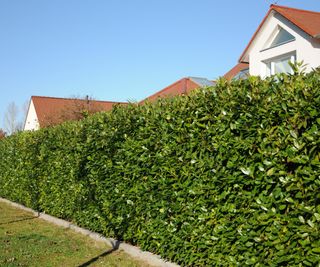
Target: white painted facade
x=31 y=122
x=302 y=48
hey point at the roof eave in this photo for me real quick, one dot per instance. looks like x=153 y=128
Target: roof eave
x=244 y=53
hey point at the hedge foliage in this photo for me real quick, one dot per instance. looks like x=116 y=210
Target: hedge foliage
x=227 y=176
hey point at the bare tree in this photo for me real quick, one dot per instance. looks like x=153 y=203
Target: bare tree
x=11 y=123
x=2 y=134
x=80 y=108
x=77 y=108
x=25 y=108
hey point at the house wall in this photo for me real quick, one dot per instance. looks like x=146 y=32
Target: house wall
x=307 y=48
x=31 y=122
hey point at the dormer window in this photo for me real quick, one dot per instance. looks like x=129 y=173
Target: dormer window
x=279 y=37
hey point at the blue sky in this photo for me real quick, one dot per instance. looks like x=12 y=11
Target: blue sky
x=120 y=50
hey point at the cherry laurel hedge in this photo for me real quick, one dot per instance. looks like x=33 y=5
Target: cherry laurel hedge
x=227 y=176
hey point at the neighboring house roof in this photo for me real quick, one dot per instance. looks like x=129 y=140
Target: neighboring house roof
x=53 y=110
x=307 y=21
x=235 y=70
x=202 y=82
x=181 y=87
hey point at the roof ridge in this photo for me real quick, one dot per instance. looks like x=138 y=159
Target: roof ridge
x=196 y=77
x=272 y=6
x=202 y=82
x=162 y=90
x=74 y=98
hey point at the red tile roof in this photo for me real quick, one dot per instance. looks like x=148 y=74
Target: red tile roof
x=307 y=21
x=53 y=110
x=235 y=70
x=181 y=87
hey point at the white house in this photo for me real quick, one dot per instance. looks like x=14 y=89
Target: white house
x=31 y=122
x=284 y=35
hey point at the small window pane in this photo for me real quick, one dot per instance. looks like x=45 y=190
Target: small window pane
x=279 y=65
x=282 y=66
x=268 y=66
x=243 y=74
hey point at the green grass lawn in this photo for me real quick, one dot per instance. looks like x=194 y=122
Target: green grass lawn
x=26 y=240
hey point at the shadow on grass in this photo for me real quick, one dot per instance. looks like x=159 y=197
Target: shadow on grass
x=115 y=247
x=20 y=220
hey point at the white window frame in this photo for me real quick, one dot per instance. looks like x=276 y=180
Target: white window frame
x=272 y=37
x=270 y=63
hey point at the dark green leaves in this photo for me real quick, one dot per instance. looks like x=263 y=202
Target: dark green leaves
x=227 y=176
